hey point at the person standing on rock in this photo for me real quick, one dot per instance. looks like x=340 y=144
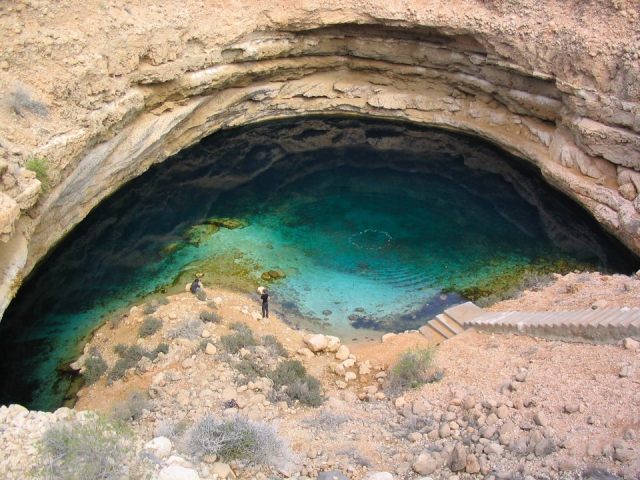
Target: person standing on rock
x=264 y=296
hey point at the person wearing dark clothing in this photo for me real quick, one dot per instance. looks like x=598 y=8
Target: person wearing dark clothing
x=265 y=304
x=196 y=286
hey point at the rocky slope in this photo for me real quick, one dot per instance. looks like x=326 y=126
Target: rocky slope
x=102 y=90
x=506 y=407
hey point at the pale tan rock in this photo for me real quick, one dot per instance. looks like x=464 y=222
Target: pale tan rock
x=342 y=353
x=316 y=343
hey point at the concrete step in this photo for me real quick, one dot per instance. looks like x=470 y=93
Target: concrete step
x=450 y=324
x=587 y=325
x=437 y=325
x=431 y=334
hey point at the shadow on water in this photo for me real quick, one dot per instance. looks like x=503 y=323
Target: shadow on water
x=369 y=224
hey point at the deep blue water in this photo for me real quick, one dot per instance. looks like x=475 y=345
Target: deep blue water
x=372 y=234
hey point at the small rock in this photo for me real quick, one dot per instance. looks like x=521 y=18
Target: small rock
x=599 y=304
x=210 y=349
x=342 y=353
x=626 y=371
x=625 y=455
x=178 y=472
x=380 y=476
x=544 y=447
x=457 y=460
x=444 y=431
x=332 y=475
x=160 y=446
x=494 y=448
x=593 y=450
x=572 y=407
x=425 y=464
x=472 y=464
x=306 y=353
x=540 y=418
x=222 y=470
x=631 y=344
x=502 y=412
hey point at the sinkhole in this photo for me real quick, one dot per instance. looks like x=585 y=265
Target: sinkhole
x=356 y=227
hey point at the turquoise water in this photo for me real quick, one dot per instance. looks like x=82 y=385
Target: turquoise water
x=366 y=240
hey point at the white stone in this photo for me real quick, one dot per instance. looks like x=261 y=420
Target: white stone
x=178 y=472
x=160 y=446
x=333 y=343
x=349 y=376
x=316 y=343
x=210 y=349
x=342 y=353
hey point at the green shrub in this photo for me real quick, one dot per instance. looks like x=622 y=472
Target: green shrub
x=274 y=346
x=414 y=369
x=41 y=168
x=95 y=448
x=150 y=326
x=299 y=386
x=236 y=438
x=239 y=327
x=191 y=330
x=211 y=317
x=307 y=391
x=234 y=342
x=129 y=358
x=201 y=295
x=94 y=368
x=120 y=349
x=160 y=348
x=131 y=408
x=250 y=368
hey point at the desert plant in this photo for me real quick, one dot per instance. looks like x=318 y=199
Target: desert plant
x=239 y=327
x=274 y=346
x=160 y=348
x=150 y=326
x=201 y=295
x=234 y=342
x=414 y=369
x=191 y=330
x=299 y=385
x=131 y=408
x=251 y=369
x=21 y=103
x=41 y=168
x=93 y=448
x=94 y=368
x=211 y=317
x=129 y=357
x=236 y=438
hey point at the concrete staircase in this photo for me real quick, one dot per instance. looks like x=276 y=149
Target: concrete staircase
x=590 y=326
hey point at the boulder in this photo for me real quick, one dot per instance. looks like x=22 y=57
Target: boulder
x=178 y=472
x=317 y=342
x=159 y=446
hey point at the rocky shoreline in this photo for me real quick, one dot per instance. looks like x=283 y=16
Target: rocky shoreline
x=507 y=406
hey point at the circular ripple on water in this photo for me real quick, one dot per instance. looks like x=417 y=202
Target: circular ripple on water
x=370 y=239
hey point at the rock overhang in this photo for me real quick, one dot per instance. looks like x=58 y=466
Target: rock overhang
x=582 y=135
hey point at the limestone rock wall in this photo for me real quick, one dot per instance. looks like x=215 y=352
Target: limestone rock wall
x=102 y=90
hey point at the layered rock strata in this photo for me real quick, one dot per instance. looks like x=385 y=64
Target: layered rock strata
x=103 y=90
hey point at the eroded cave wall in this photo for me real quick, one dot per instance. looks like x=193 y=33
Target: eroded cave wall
x=102 y=90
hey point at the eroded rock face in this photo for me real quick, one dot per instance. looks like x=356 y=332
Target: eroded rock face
x=108 y=89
